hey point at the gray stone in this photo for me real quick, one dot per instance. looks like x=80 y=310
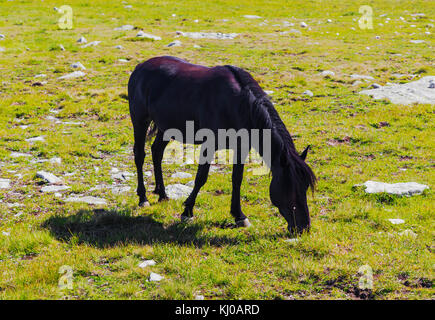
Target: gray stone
x=54 y=188
x=82 y=40
x=177 y=191
x=181 y=175
x=207 y=35
x=146 y=263
x=75 y=74
x=119 y=47
x=126 y=27
x=142 y=34
x=123 y=175
x=404 y=188
x=78 y=65
x=49 y=177
x=396 y=221
x=408 y=93
x=175 y=43
x=308 y=93
x=35 y=139
x=250 y=16
x=416 y=41
x=155 y=277
x=327 y=73
x=5 y=183
x=19 y=154
x=87 y=199
x=91 y=44
x=358 y=76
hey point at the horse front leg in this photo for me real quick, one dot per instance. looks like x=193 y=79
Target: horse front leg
x=236 y=210
x=200 y=180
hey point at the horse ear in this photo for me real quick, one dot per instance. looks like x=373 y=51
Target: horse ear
x=304 y=153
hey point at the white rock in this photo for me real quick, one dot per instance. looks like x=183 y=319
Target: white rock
x=120 y=189
x=123 y=175
x=87 y=199
x=191 y=183
x=207 y=35
x=7 y=234
x=155 y=277
x=292 y=240
x=327 y=73
x=58 y=195
x=35 y=139
x=55 y=160
x=308 y=93
x=123 y=60
x=128 y=6
x=75 y=74
x=91 y=44
x=5 y=183
x=78 y=65
x=175 y=43
x=329 y=20
x=413 y=92
x=181 y=175
x=269 y=92
x=408 y=233
x=304 y=25
x=142 y=34
x=40 y=75
x=147 y=173
x=358 y=76
x=54 y=188
x=62 y=47
x=199 y=297
x=249 y=16
x=126 y=27
x=147 y=263
x=396 y=221
x=177 y=191
x=49 y=177
x=2 y=36
x=404 y=188
x=82 y=40
x=416 y=41
x=19 y=154
x=119 y=47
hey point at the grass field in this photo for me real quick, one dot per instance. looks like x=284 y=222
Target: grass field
x=351 y=143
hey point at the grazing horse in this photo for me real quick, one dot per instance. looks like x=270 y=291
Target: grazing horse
x=169 y=92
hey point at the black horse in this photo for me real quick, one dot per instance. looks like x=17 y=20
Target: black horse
x=169 y=92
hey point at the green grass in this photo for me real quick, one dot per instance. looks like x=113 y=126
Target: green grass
x=105 y=244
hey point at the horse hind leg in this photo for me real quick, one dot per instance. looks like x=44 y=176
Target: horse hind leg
x=140 y=132
x=157 y=150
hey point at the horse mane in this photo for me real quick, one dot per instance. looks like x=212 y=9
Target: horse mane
x=264 y=116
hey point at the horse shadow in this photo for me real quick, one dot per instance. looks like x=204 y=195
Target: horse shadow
x=108 y=228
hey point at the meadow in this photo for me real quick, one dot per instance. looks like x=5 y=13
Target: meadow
x=85 y=122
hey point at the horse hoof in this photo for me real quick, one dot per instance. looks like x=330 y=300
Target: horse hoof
x=243 y=223
x=144 y=204
x=185 y=219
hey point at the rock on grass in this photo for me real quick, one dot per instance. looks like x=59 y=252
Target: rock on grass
x=403 y=188
x=49 y=177
x=177 y=191
x=87 y=199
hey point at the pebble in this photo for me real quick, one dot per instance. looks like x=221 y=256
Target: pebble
x=199 y=297
x=207 y=35
x=304 y=25
x=408 y=233
x=126 y=27
x=308 y=93
x=147 y=263
x=82 y=40
x=396 y=221
x=177 y=191
x=49 y=177
x=78 y=65
x=75 y=74
x=5 y=183
x=54 y=188
x=155 y=277
x=327 y=73
x=142 y=34
x=91 y=44
x=61 y=47
x=2 y=36
x=175 y=43
x=416 y=41
x=119 y=47
x=35 y=139
x=86 y=199
x=249 y=16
